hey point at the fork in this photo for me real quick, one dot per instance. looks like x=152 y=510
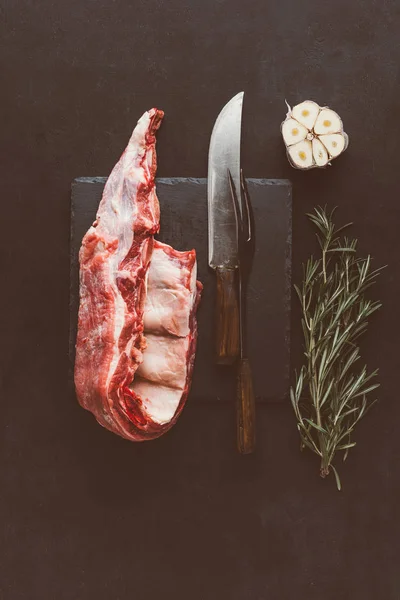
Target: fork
x=245 y=415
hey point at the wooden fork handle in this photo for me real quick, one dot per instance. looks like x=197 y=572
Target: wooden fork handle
x=227 y=315
x=246 y=436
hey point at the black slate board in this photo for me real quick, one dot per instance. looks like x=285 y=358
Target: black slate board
x=184 y=225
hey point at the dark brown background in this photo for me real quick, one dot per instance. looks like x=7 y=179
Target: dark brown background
x=85 y=515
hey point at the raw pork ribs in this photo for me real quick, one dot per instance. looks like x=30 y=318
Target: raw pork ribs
x=138 y=297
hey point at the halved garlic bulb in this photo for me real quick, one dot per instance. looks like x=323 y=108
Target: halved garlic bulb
x=313 y=135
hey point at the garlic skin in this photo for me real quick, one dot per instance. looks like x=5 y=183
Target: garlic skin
x=313 y=135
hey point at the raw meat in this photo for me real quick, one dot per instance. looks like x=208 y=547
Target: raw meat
x=132 y=285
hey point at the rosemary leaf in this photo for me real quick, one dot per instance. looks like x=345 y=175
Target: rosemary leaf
x=338 y=483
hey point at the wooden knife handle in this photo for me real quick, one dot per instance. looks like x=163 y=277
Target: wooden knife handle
x=246 y=409
x=227 y=314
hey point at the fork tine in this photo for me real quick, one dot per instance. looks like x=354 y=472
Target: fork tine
x=247 y=206
x=239 y=220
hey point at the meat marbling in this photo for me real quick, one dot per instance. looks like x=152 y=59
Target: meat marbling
x=137 y=326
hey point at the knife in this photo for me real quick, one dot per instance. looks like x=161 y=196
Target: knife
x=224 y=157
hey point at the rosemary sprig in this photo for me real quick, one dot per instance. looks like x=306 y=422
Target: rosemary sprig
x=331 y=393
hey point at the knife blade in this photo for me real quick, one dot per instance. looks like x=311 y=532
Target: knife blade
x=224 y=158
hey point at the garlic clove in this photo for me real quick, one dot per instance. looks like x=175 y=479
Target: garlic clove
x=301 y=154
x=320 y=153
x=293 y=132
x=306 y=113
x=335 y=143
x=328 y=122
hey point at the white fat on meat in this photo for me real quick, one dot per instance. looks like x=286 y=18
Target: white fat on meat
x=160 y=402
x=169 y=302
x=171 y=295
x=164 y=360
